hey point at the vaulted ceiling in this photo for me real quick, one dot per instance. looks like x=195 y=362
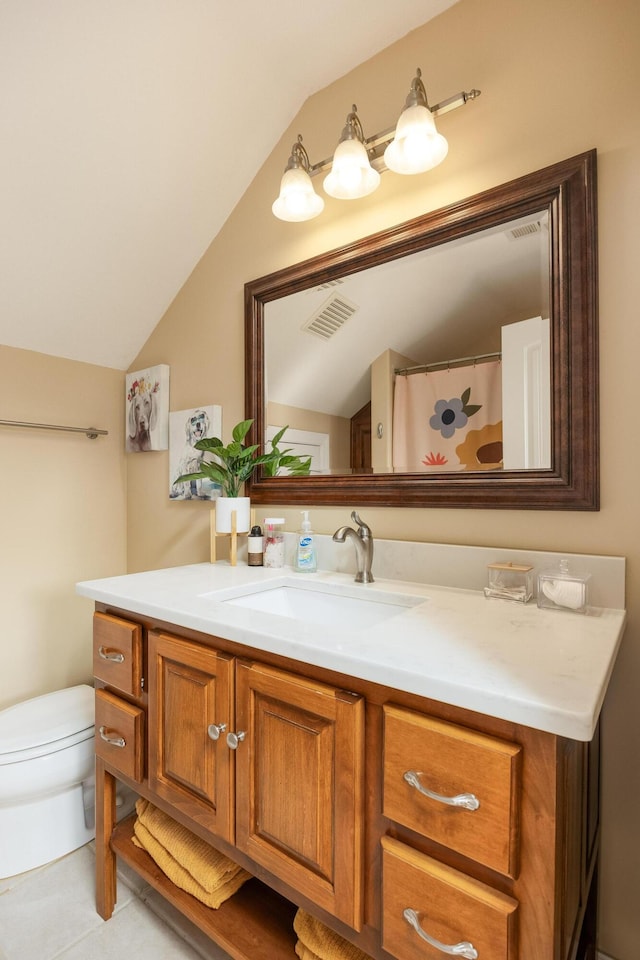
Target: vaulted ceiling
x=110 y=156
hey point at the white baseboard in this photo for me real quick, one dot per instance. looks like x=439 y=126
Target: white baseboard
x=603 y=956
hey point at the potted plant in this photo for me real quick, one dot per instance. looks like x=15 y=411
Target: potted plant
x=234 y=464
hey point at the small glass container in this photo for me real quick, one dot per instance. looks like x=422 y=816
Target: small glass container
x=563 y=589
x=509 y=581
x=273 y=542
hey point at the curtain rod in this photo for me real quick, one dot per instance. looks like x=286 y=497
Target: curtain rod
x=90 y=432
x=425 y=367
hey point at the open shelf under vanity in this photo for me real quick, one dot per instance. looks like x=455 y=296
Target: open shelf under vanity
x=256 y=923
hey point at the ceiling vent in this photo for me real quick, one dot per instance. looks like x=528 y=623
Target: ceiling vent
x=331 y=316
x=526 y=230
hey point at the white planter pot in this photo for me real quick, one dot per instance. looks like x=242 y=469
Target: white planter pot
x=224 y=508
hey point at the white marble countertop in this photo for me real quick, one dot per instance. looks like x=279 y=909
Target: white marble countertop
x=543 y=668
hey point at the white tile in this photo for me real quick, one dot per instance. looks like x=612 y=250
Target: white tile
x=49 y=909
x=49 y=914
x=9 y=883
x=203 y=946
x=135 y=930
x=128 y=878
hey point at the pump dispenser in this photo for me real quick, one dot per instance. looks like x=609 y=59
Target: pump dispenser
x=306 y=560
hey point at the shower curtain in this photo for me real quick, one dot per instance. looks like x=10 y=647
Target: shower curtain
x=448 y=419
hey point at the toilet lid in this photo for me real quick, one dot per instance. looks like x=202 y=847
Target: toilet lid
x=47 y=719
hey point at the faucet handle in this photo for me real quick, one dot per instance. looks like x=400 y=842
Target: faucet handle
x=363 y=529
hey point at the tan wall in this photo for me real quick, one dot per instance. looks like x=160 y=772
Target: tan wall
x=557 y=78
x=338 y=429
x=62 y=516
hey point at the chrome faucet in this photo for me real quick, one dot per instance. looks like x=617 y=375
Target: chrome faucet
x=363 y=542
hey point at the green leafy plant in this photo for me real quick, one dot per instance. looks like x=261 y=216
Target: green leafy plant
x=235 y=462
x=278 y=460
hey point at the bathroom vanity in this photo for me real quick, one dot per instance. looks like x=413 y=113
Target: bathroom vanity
x=417 y=766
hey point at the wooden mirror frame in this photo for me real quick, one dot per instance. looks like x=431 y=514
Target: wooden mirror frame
x=567 y=191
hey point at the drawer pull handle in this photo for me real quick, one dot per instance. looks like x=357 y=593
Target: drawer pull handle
x=462 y=949
x=114 y=741
x=468 y=801
x=215 y=729
x=104 y=654
x=235 y=739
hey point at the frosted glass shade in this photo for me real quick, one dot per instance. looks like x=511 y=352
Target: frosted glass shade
x=351 y=175
x=298 y=200
x=417 y=145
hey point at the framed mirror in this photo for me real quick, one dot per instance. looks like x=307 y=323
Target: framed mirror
x=331 y=344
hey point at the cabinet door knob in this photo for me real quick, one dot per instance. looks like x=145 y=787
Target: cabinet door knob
x=462 y=949
x=215 y=729
x=114 y=741
x=468 y=801
x=104 y=654
x=235 y=739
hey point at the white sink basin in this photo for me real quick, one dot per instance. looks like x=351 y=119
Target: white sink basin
x=330 y=605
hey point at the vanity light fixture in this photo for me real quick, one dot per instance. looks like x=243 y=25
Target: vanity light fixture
x=414 y=146
x=417 y=146
x=297 y=200
x=351 y=175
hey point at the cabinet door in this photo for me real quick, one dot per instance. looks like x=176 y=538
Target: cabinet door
x=299 y=785
x=191 y=690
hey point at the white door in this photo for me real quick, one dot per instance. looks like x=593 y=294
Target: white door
x=526 y=394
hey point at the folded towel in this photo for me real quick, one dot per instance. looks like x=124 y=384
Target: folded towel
x=188 y=861
x=317 y=942
x=304 y=953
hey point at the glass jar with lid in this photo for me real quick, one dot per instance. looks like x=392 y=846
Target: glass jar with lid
x=273 y=542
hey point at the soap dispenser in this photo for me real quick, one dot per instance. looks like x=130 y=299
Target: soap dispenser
x=306 y=558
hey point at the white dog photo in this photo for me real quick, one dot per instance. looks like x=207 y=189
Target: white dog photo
x=186 y=427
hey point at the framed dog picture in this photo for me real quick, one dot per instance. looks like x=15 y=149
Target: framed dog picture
x=186 y=427
x=147 y=409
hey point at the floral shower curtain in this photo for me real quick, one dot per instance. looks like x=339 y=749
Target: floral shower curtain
x=448 y=419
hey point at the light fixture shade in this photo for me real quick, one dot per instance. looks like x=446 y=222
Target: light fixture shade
x=298 y=200
x=417 y=145
x=351 y=175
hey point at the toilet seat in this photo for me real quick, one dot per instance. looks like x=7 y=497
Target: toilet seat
x=46 y=724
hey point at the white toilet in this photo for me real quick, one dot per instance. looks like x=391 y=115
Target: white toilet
x=46 y=753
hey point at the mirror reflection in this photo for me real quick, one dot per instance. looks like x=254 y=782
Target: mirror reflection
x=437 y=361
x=339 y=393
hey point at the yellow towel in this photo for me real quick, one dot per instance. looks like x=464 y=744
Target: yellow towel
x=188 y=861
x=304 y=953
x=317 y=942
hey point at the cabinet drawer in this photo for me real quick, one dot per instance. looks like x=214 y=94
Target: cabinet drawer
x=450 y=761
x=120 y=734
x=449 y=907
x=117 y=653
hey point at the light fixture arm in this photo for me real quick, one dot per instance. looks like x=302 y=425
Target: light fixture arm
x=417 y=95
x=299 y=158
x=353 y=127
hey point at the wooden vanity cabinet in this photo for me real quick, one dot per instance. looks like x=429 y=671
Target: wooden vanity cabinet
x=334 y=793
x=294 y=749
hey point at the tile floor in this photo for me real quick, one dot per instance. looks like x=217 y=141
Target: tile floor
x=49 y=914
